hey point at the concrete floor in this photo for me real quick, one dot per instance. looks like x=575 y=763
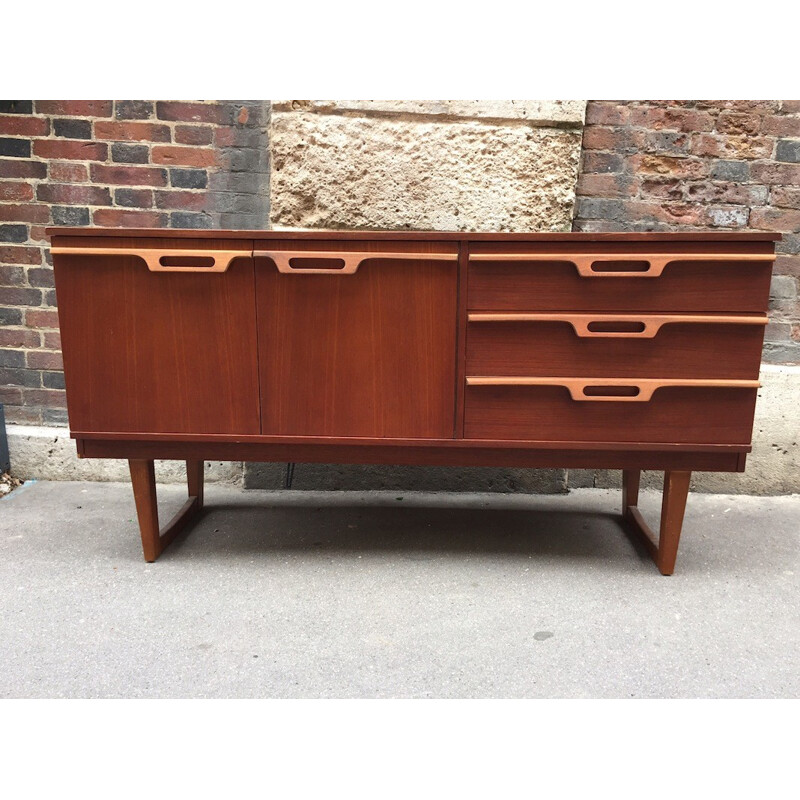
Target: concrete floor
x=305 y=594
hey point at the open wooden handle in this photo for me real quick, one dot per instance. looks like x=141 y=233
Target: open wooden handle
x=625 y=390
x=629 y=326
x=341 y=262
x=159 y=260
x=612 y=265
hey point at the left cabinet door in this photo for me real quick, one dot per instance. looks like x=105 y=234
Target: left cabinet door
x=158 y=340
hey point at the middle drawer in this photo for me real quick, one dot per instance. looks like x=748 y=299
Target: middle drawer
x=625 y=346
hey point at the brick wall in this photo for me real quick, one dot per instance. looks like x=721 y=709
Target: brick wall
x=701 y=165
x=120 y=163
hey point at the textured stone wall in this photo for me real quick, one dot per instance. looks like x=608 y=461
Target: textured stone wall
x=447 y=165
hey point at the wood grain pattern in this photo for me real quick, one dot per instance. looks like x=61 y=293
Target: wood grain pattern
x=155 y=352
x=367 y=354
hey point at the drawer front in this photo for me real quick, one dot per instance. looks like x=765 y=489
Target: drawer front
x=357 y=339
x=626 y=347
x=673 y=414
x=728 y=285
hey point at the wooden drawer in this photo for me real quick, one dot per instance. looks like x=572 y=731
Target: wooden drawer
x=643 y=346
x=545 y=411
x=643 y=282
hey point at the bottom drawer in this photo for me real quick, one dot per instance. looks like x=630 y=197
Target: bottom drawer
x=672 y=414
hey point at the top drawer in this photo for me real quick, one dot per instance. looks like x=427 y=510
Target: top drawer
x=513 y=278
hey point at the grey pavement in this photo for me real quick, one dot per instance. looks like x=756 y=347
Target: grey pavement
x=345 y=594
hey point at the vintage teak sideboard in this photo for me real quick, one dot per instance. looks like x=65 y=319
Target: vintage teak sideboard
x=615 y=351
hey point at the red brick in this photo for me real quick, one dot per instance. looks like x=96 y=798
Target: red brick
x=674 y=166
x=41 y=318
x=787 y=265
x=688 y=121
x=50 y=398
x=37 y=234
x=18 y=337
x=775 y=219
x=22 y=125
x=736 y=147
x=736 y=123
x=128 y=176
x=73 y=195
x=69 y=173
x=71 y=150
x=132 y=131
x=782 y=126
x=775 y=173
x=10 y=396
x=12 y=190
x=600 y=112
x=19 y=168
x=184 y=156
x=600 y=138
x=41 y=359
x=785 y=196
x=20 y=254
x=184 y=201
x=790 y=106
x=669 y=189
x=24 y=213
x=74 y=108
x=119 y=218
x=193 y=134
x=188 y=112
x=52 y=340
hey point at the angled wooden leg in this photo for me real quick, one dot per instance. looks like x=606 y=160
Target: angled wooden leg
x=663 y=550
x=143 y=478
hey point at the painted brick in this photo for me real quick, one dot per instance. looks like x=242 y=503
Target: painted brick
x=184 y=156
x=132 y=131
x=119 y=218
x=73 y=128
x=194 y=134
x=133 y=109
x=18 y=125
x=68 y=194
x=70 y=150
x=70 y=216
x=128 y=176
x=11 y=168
x=15 y=148
x=12 y=190
x=64 y=171
x=75 y=108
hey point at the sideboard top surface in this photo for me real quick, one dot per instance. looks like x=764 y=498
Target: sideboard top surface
x=206 y=233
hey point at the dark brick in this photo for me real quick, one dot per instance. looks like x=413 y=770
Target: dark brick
x=788 y=150
x=133 y=109
x=134 y=198
x=673 y=143
x=29 y=378
x=41 y=277
x=16 y=106
x=14 y=296
x=54 y=416
x=130 y=153
x=602 y=162
x=730 y=171
x=22 y=169
x=11 y=275
x=49 y=298
x=15 y=148
x=189 y=219
x=53 y=380
x=70 y=215
x=10 y=316
x=14 y=233
x=188 y=178
x=73 y=128
x=14 y=359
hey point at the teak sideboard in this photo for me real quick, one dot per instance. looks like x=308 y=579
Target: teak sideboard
x=615 y=351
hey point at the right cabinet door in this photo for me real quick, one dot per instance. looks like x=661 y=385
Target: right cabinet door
x=357 y=338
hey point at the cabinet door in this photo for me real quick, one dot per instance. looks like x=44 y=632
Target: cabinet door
x=158 y=352
x=362 y=345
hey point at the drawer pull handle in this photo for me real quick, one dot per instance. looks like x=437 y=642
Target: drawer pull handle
x=163 y=260
x=343 y=263
x=614 y=265
x=618 y=390
x=629 y=326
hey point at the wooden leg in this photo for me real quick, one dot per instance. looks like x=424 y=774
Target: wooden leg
x=664 y=550
x=143 y=478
